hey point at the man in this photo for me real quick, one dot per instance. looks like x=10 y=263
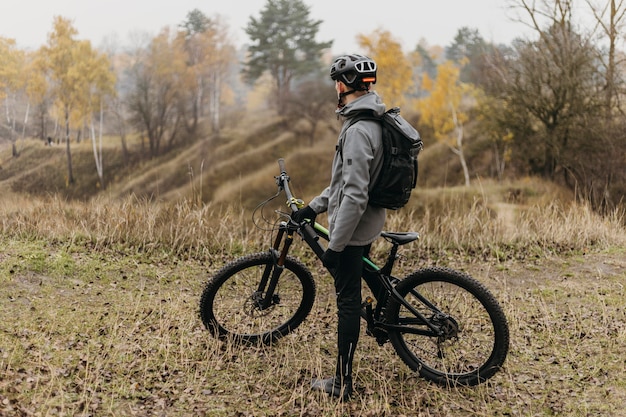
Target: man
x=353 y=224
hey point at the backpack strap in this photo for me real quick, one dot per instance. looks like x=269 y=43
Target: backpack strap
x=362 y=115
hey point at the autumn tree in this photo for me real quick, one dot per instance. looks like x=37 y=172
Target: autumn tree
x=12 y=81
x=99 y=85
x=283 y=43
x=394 y=68
x=72 y=72
x=210 y=55
x=37 y=91
x=556 y=84
x=554 y=80
x=444 y=110
x=57 y=59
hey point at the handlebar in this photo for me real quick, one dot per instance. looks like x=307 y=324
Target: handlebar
x=281 y=165
x=283 y=181
x=306 y=229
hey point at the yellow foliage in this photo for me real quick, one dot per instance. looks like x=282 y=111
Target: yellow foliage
x=208 y=56
x=79 y=77
x=395 y=73
x=11 y=66
x=167 y=57
x=37 y=85
x=442 y=109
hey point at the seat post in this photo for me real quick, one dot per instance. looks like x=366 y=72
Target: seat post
x=393 y=255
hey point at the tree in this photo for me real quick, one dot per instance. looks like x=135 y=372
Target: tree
x=423 y=65
x=394 y=68
x=12 y=81
x=492 y=114
x=210 y=56
x=555 y=85
x=37 y=90
x=607 y=185
x=312 y=104
x=100 y=83
x=467 y=51
x=427 y=63
x=283 y=43
x=69 y=66
x=554 y=81
x=610 y=20
x=443 y=110
x=115 y=104
x=158 y=74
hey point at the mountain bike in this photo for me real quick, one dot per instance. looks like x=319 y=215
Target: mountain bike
x=442 y=323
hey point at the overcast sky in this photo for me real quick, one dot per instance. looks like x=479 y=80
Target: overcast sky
x=436 y=21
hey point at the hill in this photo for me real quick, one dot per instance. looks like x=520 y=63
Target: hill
x=232 y=164
x=237 y=166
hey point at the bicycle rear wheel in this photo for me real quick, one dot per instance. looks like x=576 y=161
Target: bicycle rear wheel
x=474 y=340
x=231 y=305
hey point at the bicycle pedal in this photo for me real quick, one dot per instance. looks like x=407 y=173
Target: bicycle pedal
x=366 y=310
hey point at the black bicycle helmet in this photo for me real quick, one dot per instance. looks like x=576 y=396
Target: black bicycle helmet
x=355 y=71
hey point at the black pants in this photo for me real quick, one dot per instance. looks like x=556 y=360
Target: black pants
x=348 y=289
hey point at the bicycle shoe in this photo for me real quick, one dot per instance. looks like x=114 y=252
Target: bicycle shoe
x=333 y=386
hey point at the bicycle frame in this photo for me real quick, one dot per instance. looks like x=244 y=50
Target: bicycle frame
x=311 y=235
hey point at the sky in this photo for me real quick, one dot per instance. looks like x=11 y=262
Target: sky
x=409 y=21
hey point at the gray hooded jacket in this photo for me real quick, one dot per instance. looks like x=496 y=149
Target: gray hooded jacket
x=356 y=165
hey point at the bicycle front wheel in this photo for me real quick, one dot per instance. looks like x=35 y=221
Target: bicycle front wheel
x=234 y=306
x=473 y=335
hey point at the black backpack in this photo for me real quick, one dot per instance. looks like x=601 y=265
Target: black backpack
x=401 y=145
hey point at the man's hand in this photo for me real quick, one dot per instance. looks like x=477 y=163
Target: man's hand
x=330 y=259
x=304 y=213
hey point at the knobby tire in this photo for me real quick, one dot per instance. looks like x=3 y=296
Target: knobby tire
x=228 y=308
x=478 y=335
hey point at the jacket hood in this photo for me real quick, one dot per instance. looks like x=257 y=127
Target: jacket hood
x=370 y=101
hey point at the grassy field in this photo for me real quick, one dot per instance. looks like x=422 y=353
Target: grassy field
x=99 y=314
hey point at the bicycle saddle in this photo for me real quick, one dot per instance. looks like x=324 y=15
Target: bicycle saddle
x=400 y=238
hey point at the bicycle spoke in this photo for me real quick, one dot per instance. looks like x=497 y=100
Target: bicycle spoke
x=232 y=304
x=471 y=341
x=238 y=305
x=465 y=351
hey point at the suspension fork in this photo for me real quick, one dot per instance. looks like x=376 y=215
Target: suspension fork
x=272 y=272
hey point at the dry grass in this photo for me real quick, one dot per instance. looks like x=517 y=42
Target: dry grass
x=99 y=314
x=129 y=225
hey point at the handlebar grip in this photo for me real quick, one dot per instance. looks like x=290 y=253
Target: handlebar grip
x=281 y=165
